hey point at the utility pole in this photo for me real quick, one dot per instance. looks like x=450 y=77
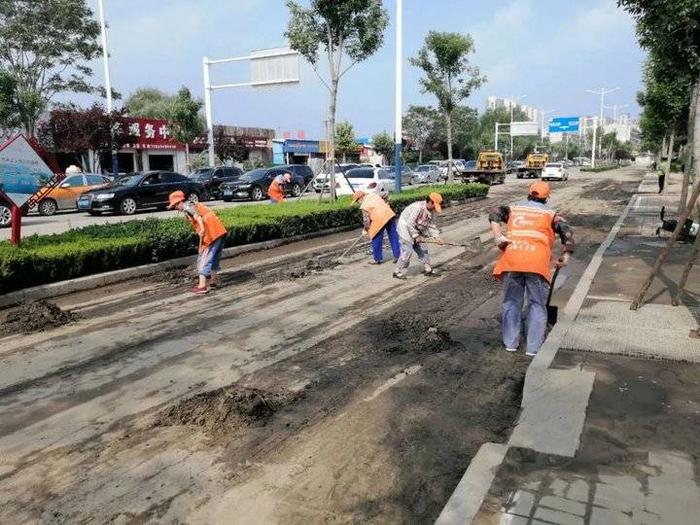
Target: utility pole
x=108 y=86
x=615 y=107
x=544 y=114
x=593 y=145
x=398 y=124
x=513 y=101
x=207 y=110
x=601 y=92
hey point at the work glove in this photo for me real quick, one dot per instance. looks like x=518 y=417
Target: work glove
x=502 y=241
x=418 y=240
x=563 y=260
x=365 y=233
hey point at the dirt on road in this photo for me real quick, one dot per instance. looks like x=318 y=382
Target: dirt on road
x=35 y=316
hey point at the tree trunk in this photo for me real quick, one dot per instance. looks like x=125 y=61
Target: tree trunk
x=187 y=158
x=344 y=161
x=420 y=157
x=689 y=163
x=331 y=131
x=681 y=219
x=448 y=120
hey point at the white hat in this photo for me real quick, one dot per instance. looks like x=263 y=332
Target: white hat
x=73 y=169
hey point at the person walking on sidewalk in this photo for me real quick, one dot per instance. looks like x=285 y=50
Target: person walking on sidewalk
x=212 y=236
x=662 y=178
x=377 y=218
x=415 y=225
x=525 y=263
x=276 y=189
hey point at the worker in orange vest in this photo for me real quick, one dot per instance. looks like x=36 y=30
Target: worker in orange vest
x=525 y=263
x=377 y=218
x=212 y=236
x=276 y=189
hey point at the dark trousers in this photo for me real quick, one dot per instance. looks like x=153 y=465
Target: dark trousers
x=378 y=241
x=662 y=182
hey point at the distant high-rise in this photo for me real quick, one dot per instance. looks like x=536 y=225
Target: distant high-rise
x=507 y=103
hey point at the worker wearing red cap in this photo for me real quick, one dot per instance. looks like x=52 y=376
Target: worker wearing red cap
x=276 y=189
x=212 y=235
x=416 y=224
x=525 y=263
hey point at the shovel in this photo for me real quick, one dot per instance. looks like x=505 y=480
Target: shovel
x=339 y=260
x=474 y=245
x=552 y=311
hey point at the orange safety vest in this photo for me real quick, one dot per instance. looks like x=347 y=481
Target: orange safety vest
x=379 y=212
x=532 y=239
x=213 y=227
x=275 y=191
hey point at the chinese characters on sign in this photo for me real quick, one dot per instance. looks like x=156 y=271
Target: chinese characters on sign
x=149 y=134
x=22 y=171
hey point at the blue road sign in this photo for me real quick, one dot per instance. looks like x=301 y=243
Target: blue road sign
x=564 y=125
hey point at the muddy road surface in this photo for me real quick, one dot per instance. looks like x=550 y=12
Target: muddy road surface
x=299 y=392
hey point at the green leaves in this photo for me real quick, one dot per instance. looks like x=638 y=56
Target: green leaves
x=100 y=248
x=184 y=118
x=345 y=141
x=384 y=145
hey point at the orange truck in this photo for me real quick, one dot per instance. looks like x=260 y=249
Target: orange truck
x=490 y=169
x=533 y=166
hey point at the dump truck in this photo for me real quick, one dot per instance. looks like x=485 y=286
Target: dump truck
x=533 y=166
x=489 y=169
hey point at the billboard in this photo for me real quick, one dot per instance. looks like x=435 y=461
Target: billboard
x=524 y=129
x=274 y=66
x=564 y=125
x=22 y=171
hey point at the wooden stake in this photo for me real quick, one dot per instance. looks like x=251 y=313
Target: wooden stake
x=686 y=271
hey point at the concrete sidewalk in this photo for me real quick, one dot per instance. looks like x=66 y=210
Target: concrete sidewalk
x=611 y=406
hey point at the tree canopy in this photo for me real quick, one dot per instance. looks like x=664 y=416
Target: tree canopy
x=384 y=145
x=345 y=140
x=45 y=46
x=147 y=102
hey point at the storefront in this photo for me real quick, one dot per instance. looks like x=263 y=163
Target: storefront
x=291 y=151
x=153 y=147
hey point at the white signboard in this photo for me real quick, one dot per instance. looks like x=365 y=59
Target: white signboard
x=524 y=129
x=22 y=172
x=279 y=65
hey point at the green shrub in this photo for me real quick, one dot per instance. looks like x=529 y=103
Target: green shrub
x=98 y=248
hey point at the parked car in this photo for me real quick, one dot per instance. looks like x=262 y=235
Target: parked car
x=367 y=179
x=65 y=195
x=407 y=174
x=213 y=178
x=303 y=170
x=5 y=213
x=138 y=191
x=458 y=165
x=253 y=185
x=554 y=171
x=321 y=180
x=426 y=174
x=470 y=165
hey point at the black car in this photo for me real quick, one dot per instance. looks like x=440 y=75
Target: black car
x=212 y=178
x=302 y=170
x=139 y=190
x=254 y=184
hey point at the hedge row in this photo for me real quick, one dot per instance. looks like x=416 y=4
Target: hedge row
x=601 y=168
x=45 y=259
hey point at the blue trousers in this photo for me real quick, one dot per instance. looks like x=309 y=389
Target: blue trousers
x=378 y=241
x=515 y=286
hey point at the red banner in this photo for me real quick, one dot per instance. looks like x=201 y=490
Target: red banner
x=150 y=133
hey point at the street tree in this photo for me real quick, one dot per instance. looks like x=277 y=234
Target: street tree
x=147 y=102
x=418 y=127
x=45 y=46
x=345 y=140
x=70 y=129
x=384 y=145
x=444 y=59
x=185 y=121
x=9 y=117
x=227 y=147
x=345 y=30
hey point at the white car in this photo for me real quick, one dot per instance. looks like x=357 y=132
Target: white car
x=376 y=180
x=321 y=180
x=554 y=171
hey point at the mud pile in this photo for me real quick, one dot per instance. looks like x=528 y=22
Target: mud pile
x=34 y=317
x=298 y=271
x=225 y=409
x=403 y=333
x=176 y=276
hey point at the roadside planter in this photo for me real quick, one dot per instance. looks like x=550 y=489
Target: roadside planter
x=43 y=259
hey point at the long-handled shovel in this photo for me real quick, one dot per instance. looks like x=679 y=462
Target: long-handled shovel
x=552 y=311
x=339 y=260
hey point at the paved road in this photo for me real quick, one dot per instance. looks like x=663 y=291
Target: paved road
x=77 y=403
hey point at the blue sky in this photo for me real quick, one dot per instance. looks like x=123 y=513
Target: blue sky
x=549 y=50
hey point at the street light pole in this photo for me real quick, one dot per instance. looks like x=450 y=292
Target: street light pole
x=601 y=92
x=544 y=114
x=207 y=110
x=108 y=85
x=398 y=125
x=513 y=100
